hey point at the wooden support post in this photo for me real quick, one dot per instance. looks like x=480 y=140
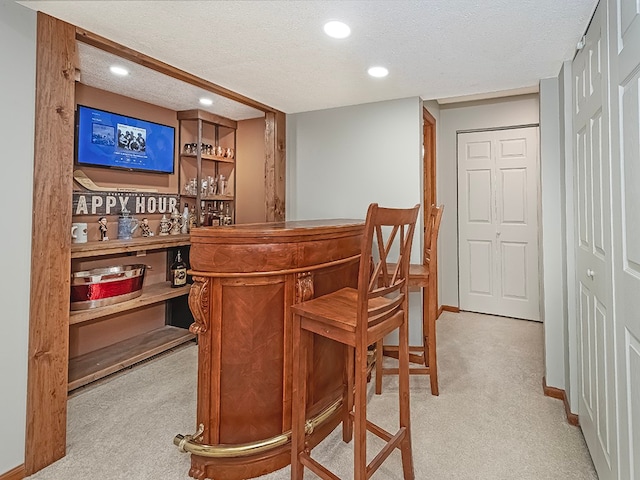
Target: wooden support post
x=51 y=244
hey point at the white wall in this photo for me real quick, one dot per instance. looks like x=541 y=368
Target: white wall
x=553 y=264
x=342 y=159
x=485 y=114
x=17 y=97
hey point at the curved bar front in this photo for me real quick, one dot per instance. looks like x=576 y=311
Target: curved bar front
x=246 y=277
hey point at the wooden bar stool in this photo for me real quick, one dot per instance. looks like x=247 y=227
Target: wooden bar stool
x=424 y=276
x=357 y=319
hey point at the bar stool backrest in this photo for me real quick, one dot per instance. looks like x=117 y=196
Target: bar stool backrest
x=382 y=281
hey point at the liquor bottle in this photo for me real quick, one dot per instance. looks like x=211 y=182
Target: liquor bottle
x=178 y=272
x=185 y=219
x=215 y=218
x=209 y=218
x=227 y=215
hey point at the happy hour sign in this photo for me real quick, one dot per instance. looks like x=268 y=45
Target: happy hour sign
x=109 y=203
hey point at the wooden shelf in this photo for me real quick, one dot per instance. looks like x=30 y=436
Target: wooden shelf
x=214 y=158
x=96 y=249
x=208 y=198
x=105 y=361
x=156 y=293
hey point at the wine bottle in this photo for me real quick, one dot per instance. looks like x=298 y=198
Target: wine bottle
x=178 y=272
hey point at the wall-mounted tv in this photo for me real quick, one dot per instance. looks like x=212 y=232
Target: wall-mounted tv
x=105 y=139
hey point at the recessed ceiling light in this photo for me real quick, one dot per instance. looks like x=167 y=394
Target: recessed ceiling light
x=206 y=101
x=121 y=71
x=378 y=72
x=337 y=29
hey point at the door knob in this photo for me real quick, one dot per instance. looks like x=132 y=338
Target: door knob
x=590 y=273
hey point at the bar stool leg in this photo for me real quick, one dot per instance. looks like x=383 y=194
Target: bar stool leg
x=430 y=341
x=347 y=395
x=405 y=415
x=378 y=367
x=299 y=394
x=360 y=420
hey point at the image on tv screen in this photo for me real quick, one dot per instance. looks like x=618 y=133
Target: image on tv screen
x=106 y=139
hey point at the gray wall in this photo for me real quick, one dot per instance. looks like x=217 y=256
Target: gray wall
x=342 y=159
x=17 y=97
x=553 y=264
x=565 y=97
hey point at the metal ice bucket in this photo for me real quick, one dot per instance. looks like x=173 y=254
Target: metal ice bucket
x=105 y=286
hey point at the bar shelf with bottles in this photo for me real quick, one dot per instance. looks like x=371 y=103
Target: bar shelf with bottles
x=207 y=145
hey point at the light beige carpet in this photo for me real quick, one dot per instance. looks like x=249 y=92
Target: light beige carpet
x=491 y=420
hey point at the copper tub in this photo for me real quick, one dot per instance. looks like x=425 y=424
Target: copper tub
x=105 y=286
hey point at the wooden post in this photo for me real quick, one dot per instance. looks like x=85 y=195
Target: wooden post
x=51 y=242
x=275 y=166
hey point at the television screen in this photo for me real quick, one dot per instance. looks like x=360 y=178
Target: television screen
x=105 y=139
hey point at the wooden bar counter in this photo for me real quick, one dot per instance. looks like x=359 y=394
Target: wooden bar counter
x=246 y=277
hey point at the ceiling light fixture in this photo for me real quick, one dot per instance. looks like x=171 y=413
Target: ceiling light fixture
x=206 y=101
x=378 y=72
x=120 y=71
x=337 y=29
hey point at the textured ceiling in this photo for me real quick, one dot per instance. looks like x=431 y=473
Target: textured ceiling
x=276 y=52
x=152 y=87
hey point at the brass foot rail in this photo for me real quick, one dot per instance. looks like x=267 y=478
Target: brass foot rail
x=189 y=444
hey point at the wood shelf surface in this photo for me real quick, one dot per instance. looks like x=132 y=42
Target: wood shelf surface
x=214 y=158
x=105 y=361
x=210 y=198
x=110 y=247
x=151 y=294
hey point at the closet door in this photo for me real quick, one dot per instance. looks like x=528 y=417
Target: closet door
x=498 y=222
x=624 y=49
x=592 y=188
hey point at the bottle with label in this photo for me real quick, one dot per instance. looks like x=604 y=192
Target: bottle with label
x=215 y=218
x=178 y=272
x=227 y=215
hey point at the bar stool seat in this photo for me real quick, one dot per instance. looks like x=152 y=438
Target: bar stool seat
x=358 y=318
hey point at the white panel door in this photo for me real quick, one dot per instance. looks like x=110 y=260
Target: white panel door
x=592 y=188
x=498 y=222
x=624 y=22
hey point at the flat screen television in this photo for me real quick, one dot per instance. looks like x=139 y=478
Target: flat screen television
x=105 y=139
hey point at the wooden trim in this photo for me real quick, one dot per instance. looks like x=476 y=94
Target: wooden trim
x=429 y=142
x=51 y=244
x=208 y=117
x=553 y=392
x=275 y=166
x=17 y=473
x=429 y=194
x=449 y=308
x=127 y=53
